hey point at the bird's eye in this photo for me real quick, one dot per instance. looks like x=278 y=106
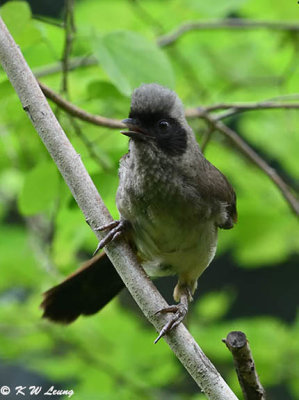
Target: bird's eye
x=163 y=125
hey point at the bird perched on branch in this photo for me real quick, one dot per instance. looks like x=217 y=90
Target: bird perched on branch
x=171 y=202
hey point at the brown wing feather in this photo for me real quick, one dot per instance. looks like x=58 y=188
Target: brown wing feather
x=217 y=189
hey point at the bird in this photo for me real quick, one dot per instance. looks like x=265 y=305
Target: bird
x=171 y=201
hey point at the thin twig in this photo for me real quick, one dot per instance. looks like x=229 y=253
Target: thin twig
x=48 y=20
x=72 y=169
x=237 y=107
x=74 y=63
x=255 y=159
x=207 y=136
x=88 y=144
x=238 y=345
x=69 y=28
x=78 y=112
x=230 y=23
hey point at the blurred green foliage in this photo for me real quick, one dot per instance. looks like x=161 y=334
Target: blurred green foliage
x=43 y=235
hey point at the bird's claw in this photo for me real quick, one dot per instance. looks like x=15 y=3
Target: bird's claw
x=179 y=312
x=116 y=229
x=109 y=226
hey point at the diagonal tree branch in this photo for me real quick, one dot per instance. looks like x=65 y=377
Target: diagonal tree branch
x=78 y=112
x=255 y=159
x=94 y=210
x=230 y=23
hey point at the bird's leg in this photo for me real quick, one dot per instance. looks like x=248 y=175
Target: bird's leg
x=179 y=311
x=115 y=228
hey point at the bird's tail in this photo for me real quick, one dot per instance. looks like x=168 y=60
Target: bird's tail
x=86 y=291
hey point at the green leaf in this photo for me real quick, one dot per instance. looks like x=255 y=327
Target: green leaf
x=71 y=232
x=10 y=182
x=6 y=88
x=129 y=59
x=104 y=96
x=16 y=15
x=105 y=90
x=40 y=189
x=18 y=264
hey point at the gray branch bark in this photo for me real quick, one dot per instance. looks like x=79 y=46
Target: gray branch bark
x=74 y=173
x=238 y=345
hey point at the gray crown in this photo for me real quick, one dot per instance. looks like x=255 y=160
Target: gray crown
x=154 y=98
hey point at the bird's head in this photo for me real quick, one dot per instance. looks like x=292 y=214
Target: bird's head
x=157 y=118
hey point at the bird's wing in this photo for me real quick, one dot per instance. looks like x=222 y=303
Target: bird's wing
x=217 y=189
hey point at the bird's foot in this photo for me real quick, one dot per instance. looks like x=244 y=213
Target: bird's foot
x=179 y=312
x=115 y=228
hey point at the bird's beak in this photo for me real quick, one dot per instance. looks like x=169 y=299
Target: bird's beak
x=135 y=131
